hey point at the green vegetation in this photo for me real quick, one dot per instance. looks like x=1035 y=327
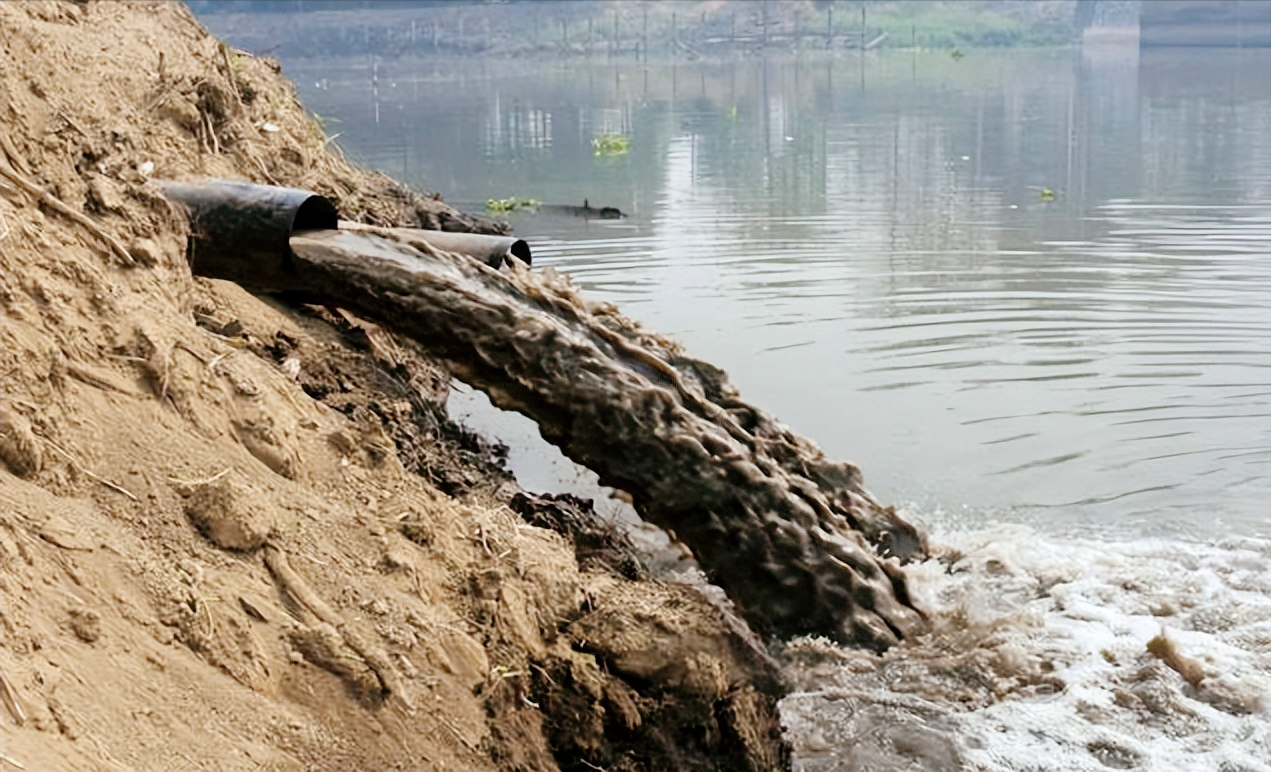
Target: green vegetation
x=611 y=145
x=652 y=28
x=513 y=204
x=954 y=24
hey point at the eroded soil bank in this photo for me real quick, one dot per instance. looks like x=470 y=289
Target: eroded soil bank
x=238 y=534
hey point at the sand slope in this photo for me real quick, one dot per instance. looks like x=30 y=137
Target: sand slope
x=240 y=535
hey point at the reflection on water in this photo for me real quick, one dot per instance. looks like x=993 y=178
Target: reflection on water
x=1035 y=283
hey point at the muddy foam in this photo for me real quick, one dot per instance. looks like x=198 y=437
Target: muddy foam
x=1055 y=653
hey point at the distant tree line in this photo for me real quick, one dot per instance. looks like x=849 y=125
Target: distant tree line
x=292 y=6
x=638 y=27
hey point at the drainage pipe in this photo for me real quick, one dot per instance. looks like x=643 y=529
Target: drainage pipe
x=491 y=250
x=241 y=232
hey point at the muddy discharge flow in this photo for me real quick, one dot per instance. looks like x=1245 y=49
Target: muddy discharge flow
x=792 y=537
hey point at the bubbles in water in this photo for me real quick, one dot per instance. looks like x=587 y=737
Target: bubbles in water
x=1052 y=653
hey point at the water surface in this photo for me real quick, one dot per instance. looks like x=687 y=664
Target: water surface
x=1035 y=285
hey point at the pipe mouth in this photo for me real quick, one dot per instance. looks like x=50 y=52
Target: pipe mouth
x=521 y=251
x=241 y=232
x=315 y=213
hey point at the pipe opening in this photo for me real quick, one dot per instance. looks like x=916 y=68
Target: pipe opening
x=316 y=214
x=521 y=251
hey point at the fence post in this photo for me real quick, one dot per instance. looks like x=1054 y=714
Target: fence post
x=644 y=31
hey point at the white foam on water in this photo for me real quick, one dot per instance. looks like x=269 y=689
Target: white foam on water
x=1040 y=660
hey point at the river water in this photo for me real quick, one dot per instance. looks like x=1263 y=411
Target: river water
x=1028 y=292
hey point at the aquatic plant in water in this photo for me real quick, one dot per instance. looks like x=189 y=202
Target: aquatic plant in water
x=611 y=144
x=513 y=204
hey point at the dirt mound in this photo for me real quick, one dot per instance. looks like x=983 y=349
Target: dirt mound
x=241 y=535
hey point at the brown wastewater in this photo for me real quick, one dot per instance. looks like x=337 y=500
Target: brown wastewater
x=792 y=537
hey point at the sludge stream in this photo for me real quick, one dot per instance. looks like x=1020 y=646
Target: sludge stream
x=791 y=536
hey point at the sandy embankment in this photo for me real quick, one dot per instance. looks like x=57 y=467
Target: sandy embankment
x=239 y=535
